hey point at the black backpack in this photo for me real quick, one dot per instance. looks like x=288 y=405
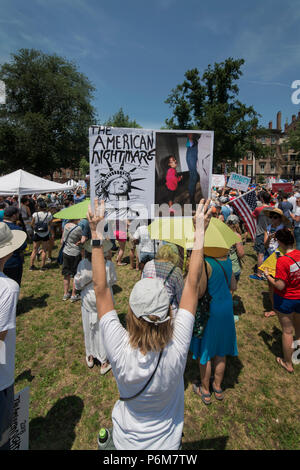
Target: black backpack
x=41 y=225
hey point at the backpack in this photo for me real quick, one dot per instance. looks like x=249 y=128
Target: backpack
x=41 y=225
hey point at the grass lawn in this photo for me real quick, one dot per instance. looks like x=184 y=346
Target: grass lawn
x=69 y=402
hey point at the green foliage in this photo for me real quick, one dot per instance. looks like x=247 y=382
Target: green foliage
x=293 y=141
x=121 y=120
x=44 y=124
x=210 y=102
x=84 y=167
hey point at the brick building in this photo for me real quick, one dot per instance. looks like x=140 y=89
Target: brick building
x=281 y=163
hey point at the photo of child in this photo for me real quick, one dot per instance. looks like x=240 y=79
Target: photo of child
x=172 y=179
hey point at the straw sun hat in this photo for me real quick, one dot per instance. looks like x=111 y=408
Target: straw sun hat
x=275 y=210
x=10 y=240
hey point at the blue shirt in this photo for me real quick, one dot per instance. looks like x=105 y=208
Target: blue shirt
x=79 y=199
x=226 y=212
x=1 y=214
x=15 y=260
x=85 y=227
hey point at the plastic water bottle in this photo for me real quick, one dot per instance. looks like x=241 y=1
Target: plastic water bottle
x=103 y=438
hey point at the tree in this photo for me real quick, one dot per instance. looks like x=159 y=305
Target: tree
x=210 y=102
x=44 y=124
x=121 y=120
x=84 y=167
x=293 y=140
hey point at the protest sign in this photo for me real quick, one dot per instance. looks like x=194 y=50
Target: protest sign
x=238 y=182
x=135 y=168
x=19 y=430
x=218 y=181
x=285 y=187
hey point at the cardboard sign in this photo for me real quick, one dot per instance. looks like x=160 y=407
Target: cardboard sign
x=136 y=171
x=285 y=187
x=218 y=181
x=19 y=430
x=238 y=182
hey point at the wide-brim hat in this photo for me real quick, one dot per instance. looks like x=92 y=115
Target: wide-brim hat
x=278 y=211
x=106 y=244
x=10 y=240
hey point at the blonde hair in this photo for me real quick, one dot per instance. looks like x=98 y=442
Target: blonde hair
x=167 y=253
x=146 y=336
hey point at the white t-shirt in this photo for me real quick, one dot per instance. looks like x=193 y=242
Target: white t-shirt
x=296 y=212
x=154 y=419
x=42 y=217
x=146 y=245
x=9 y=293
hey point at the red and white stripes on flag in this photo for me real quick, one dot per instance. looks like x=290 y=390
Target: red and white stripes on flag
x=244 y=206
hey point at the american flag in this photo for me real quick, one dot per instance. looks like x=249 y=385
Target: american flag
x=244 y=207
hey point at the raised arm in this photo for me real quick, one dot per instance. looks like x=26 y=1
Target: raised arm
x=189 y=297
x=104 y=301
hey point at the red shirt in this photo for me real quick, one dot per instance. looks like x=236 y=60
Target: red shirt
x=172 y=179
x=288 y=271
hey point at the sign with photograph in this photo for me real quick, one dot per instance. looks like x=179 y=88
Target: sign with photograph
x=238 y=182
x=135 y=168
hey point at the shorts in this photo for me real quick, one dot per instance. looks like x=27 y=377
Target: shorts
x=37 y=238
x=120 y=236
x=259 y=245
x=132 y=245
x=6 y=415
x=70 y=264
x=286 y=306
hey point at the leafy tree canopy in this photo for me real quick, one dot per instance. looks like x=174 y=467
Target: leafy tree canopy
x=293 y=141
x=121 y=120
x=44 y=124
x=211 y=102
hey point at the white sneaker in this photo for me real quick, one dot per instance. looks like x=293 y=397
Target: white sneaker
x=90 y=364
x=74 y=298
x=66 y=296
x=104 y=370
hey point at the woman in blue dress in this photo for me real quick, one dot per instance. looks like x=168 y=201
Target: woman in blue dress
x=219 y=338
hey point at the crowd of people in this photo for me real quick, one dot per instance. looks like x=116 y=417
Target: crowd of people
x=148 y=358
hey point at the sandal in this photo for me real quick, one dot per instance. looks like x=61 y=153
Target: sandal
x=219 y=392
x=198 y=390
x=270 y=314
x=282 y=363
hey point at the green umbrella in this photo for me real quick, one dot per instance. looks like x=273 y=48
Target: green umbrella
x=76 y=211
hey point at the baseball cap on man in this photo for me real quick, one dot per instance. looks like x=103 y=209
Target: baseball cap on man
x=10 y=240
x=150 y=297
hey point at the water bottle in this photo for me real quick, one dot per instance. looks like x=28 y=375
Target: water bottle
x=103 y=438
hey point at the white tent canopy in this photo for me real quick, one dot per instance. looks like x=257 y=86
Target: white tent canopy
x=21 y=182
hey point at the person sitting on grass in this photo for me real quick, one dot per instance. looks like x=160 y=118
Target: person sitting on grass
x=148 y=359
x=287 y=294
x=83 y=280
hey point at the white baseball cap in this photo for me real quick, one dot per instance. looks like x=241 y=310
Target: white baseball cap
x=150 y=297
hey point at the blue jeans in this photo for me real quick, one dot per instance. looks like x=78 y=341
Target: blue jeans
x=297 y=237
x=191 y=159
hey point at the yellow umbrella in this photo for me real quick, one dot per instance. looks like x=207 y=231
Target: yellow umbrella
x=180 y=230
x=177 y=230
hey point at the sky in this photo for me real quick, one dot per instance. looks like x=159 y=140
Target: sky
x=135 y=52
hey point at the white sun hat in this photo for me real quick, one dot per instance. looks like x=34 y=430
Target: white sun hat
x=150 y=297
x=10 y=240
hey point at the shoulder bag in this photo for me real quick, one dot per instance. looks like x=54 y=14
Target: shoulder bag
x=202 y=312
x=60 y=254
